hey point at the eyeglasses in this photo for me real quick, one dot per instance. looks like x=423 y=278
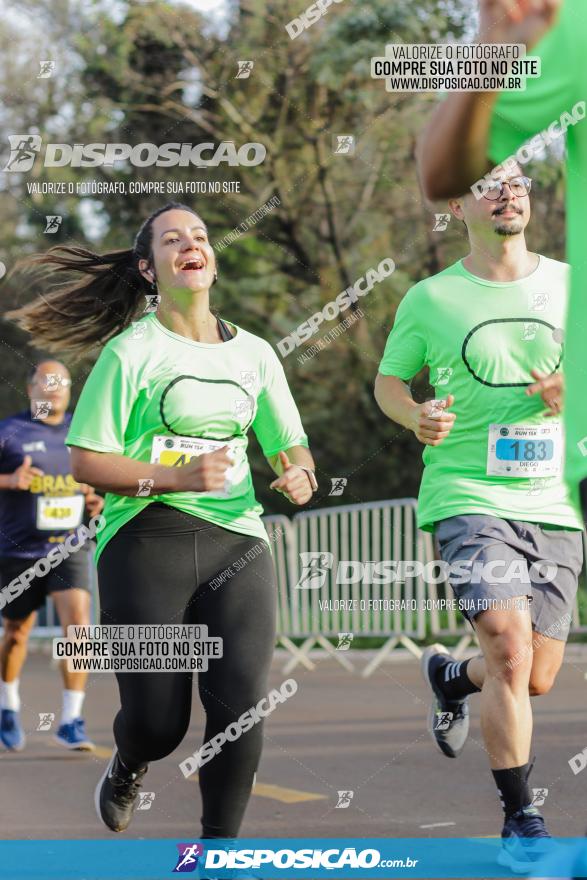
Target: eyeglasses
x=519 y=186
x=51 y=381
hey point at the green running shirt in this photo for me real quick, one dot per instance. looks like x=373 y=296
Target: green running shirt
x=151 y=382
x=518 y=117
x=480 y=339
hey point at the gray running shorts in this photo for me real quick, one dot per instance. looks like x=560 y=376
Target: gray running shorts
x=493 y=560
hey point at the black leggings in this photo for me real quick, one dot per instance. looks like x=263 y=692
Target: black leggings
x=157 y=569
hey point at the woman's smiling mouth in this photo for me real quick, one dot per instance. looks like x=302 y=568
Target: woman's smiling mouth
x=195 y=264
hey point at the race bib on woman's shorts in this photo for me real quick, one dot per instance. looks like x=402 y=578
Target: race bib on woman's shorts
x=525 y=450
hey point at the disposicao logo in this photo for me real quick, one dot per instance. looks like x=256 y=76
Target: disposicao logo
x=187 y=859
x=24 y=149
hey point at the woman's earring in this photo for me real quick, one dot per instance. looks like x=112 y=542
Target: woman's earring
x=215 y=274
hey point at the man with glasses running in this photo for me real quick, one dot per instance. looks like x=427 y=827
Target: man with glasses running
x=489 y=330
x=41 y=506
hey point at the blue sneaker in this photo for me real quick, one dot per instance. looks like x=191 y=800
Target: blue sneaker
x=73 y=736
x=11 y=732
x=525 y=841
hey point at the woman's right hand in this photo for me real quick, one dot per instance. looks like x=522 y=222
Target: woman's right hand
x=205 y=473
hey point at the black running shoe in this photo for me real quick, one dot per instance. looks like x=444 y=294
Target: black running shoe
x=116 y=794
x=448 y=720
x=525 y=841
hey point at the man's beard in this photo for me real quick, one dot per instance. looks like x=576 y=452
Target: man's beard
x=505 y=229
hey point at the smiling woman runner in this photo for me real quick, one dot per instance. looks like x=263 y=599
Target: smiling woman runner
x=181 y=388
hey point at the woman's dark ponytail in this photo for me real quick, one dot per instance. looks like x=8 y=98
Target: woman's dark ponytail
x=81 y=313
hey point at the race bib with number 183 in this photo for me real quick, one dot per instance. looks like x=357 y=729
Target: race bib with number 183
x=525 y=450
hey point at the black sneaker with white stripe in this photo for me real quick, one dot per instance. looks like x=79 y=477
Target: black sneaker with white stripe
x=448 y=720
x=116 y=794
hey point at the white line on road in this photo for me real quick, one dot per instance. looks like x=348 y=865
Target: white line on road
x=438 y=825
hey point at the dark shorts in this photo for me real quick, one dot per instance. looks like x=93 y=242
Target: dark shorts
x=494 y=560
x=73 y=572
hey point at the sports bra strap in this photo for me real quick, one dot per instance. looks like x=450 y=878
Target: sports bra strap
x=224 y=331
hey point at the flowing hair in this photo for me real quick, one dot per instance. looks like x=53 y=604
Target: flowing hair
x=79 y=313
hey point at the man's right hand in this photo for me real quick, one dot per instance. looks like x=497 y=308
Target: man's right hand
x=516 y=21
x=23 y=475
x=205 y=473
x=431 y=422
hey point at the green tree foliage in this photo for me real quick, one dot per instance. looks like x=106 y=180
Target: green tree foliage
x=158 y=72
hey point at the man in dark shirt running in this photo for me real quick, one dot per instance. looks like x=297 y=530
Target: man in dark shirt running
x=41 y=506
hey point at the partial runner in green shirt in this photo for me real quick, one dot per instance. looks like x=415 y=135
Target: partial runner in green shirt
x=551 y=103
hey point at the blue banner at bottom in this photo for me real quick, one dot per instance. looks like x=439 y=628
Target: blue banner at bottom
x=289 y=858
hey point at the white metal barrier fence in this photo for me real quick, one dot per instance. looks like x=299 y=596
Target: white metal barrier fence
x=328 y=583
x=334 y=585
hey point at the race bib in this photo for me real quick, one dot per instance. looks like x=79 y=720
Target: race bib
x=177 y=451
x=59 y=513
x=525 y=450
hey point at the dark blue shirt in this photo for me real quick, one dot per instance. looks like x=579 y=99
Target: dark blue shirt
x=32 y=522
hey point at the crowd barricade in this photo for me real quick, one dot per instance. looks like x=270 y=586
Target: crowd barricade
x=338 y=579
x=340 y=584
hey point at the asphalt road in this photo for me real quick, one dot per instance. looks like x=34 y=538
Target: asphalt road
x=338 y=733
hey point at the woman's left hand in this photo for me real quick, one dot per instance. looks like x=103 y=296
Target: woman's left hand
x=294 y=482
